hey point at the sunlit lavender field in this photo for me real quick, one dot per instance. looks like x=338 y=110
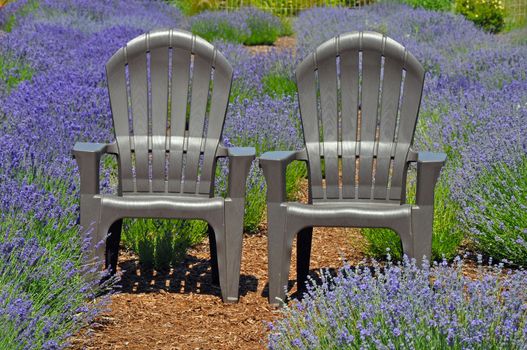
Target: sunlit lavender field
x=53 y=93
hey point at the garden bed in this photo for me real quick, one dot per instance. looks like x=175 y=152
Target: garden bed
x=50 y=101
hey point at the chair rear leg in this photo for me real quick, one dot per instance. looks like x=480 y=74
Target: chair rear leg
x=213 y=257
x=303 y=256
x=112 y=246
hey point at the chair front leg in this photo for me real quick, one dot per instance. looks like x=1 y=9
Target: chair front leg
x=88 y=156
x=240 y=160
x=428 y=169
x=279 y=244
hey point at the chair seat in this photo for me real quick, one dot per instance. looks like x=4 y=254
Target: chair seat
x=348 y=214
x=162 y=206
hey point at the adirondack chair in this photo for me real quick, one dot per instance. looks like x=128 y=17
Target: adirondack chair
x=359 y=96
x=168 y=92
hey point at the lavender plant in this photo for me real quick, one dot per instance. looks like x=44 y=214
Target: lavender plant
x=404 y=306
x=248 y=26
x=496 y=212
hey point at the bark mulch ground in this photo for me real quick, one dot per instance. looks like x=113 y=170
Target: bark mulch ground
x=180 y=309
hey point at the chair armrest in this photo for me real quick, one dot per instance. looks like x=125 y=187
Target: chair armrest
x=274 y=165
x=429 y=166
x=88 y=156
x=240 y=160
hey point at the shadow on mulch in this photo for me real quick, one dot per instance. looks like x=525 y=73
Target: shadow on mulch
x=193 y=275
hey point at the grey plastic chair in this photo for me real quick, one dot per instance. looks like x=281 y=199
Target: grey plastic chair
x=359 y=96
x=169 y=92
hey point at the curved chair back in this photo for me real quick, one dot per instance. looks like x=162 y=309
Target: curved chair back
x=168 y=92
x=359 y=96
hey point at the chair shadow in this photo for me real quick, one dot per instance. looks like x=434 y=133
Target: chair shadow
x=192 y=275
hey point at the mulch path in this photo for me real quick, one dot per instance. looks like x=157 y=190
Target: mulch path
x=282 y=43
x=180 y=309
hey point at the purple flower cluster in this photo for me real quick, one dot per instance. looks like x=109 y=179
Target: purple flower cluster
x=405 y=306
x=42 y=300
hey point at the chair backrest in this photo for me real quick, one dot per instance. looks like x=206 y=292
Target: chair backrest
x=359 y=96
x=168 y=92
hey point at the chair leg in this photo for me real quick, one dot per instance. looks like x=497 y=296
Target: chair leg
x=213 y=257
x=89 y=225
x=279 y=247
x=112 y=246
x=234 y=211
x=422 y=229
x=221 y=249
x=303 y=256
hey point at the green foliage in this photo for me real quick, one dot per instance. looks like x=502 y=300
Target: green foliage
x=287 y=26
x=161 y=244
x=282 y=8
x=487 y=14
x=262 y=31
x=29 y=7
x=248 y=26
x=221 y=30
x=446 y=236
x=277 y=85
x=497 y=218
x=12 y=72
x=435 y=5
x=193 y=7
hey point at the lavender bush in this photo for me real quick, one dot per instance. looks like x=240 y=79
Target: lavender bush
x=403 y=306
x=248 y=26
x=496 y=212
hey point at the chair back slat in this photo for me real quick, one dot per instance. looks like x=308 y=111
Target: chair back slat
x=307 y=97
x=165 y=141
x=349 y=86
x=137 y=68
x=159 y=71
x=198 y=107
x=119 y=104
x=391 y=93
x=370 y=45
x=218 y=108
x=411 y=98
x=327 y=75
x=366 y=121
x=181 y=59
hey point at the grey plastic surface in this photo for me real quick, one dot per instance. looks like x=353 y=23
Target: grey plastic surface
x=359 y=96
x=169 y=91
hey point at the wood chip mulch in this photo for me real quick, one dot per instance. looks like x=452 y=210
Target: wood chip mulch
x=282 y=43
